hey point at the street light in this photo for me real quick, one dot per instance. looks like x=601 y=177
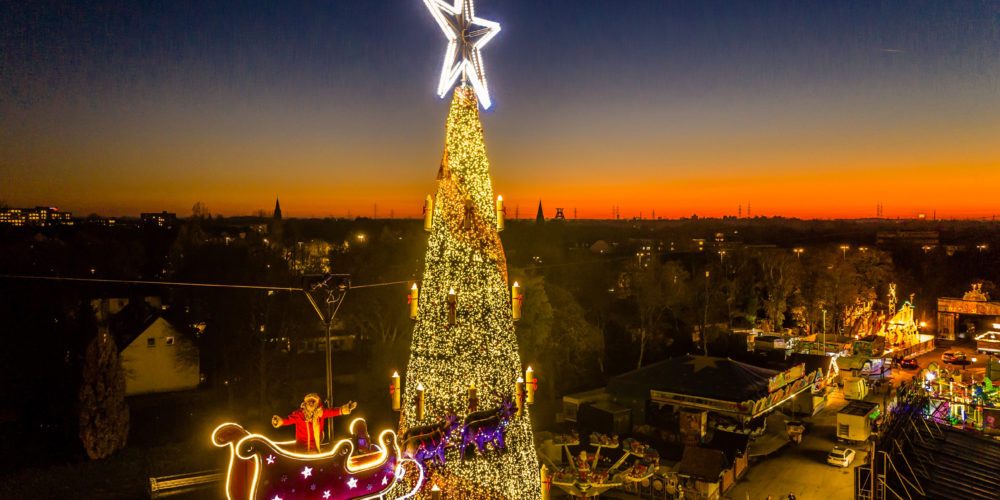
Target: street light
x=704 y=321
x=824 y=331
x=798 y=252
x=863 y=249
x=845 y=248
x=982 y=247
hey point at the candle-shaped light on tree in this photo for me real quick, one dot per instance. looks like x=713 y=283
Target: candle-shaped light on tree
x=428 y=213
x=435 y=492
x=519 y=395
x=515 y=300
x=473 y=398
x=414 y=301
x=452 y=305
x=396 y=391
x=501 y=213
x=546 y=482
x=470 y=214
x=529 y=385
x=420 y=401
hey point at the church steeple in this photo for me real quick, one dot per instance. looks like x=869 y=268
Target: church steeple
x=540 y=216
x=277 y=209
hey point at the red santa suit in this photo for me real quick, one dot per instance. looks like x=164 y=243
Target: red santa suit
x=309 y=425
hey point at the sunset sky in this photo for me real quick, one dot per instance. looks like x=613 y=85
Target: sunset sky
x=807 y=108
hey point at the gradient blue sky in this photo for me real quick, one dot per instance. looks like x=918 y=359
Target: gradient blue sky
x=804 y=108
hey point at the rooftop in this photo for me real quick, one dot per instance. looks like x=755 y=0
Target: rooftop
x=722 y=379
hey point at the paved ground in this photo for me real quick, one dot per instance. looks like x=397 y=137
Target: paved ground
x=802 y=469
x=975 y=369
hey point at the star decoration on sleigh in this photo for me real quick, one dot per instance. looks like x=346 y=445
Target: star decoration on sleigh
x=467 y=34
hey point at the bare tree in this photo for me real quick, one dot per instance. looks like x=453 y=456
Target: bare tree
x=658 y=289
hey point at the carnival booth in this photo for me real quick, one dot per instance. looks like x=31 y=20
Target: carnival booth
x=740 y=392
x=857 y=421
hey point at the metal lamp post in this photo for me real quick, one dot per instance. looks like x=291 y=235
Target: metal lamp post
x=335 y=286
x=824 y=331
x=704 y=321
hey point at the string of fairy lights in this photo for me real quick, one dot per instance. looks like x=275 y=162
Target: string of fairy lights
x=476 y=345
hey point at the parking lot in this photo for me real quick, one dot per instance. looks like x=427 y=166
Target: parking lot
x=802 y=469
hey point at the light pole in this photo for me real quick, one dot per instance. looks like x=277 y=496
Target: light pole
x=845 y=248
x=798 y=252
x=704 y=321
x=824 y=331
x=335 y=286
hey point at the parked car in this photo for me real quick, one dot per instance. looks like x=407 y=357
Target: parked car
x=953 y=357
x=908 y=364
x=841 y=457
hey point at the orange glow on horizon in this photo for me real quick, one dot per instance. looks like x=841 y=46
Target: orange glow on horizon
x=951 y=193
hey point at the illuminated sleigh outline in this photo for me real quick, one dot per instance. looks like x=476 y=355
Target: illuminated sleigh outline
x=261 y=468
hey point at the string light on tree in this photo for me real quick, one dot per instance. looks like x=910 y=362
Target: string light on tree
x=468 y=336
x=460 y=342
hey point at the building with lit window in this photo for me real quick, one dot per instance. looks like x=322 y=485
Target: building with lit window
x=162 y=219
x=157 y=354
x=38 y=216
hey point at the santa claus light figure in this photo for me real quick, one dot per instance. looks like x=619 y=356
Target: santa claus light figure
x=309 y=421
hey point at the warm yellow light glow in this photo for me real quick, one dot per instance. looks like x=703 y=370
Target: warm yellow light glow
x=388 y=447
x=414 y=300
x=420 y=401
x=397 y=392
x=467 y=34
x=516 y=300
x=529 y=385
x=428 y=213
x=501 y=213
x=478 y=345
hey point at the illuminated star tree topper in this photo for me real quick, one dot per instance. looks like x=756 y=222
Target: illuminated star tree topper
x=467 y=34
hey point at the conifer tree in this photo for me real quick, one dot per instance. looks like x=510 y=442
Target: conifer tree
x=102 y=411
x=473 y=340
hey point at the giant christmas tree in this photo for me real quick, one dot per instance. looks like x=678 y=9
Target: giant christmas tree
x=469 y=340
